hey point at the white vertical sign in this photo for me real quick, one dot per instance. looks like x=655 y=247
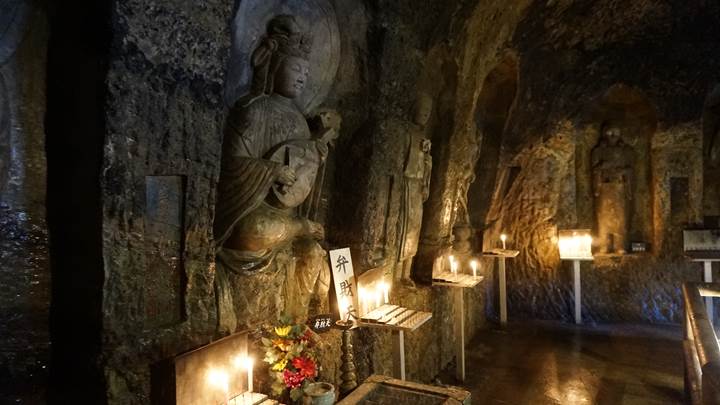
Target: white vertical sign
x=344 y=280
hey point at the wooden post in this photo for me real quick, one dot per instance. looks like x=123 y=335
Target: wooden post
x=578 y=291
x=707 y=277
x=460 y=333
x=399 y=354
x=503 y=291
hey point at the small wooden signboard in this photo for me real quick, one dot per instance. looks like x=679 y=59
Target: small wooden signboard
x=344 y=280
x=321 y=323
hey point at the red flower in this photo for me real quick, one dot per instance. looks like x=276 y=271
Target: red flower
x=292 y=379
x=306 y=366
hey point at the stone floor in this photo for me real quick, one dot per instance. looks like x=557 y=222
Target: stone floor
x=551 y=363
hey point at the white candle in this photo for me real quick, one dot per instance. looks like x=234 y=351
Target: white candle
x=453 y=267
x=247 y=363
x=473 y=264
x=503 y=238
x=343 y=308
x=386 y=291
x=363 y=301
x=378 y=298
x=219 y=379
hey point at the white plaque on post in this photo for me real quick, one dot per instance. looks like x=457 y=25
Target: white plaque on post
x=344 y=280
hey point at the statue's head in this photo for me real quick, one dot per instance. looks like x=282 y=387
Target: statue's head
x=611 y=133
x=423 y=109
x=280 y=62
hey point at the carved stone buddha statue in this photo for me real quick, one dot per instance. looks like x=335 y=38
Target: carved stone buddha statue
x=612 y=177
x=269 y=164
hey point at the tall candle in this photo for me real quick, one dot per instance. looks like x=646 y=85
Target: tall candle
x=248 y=364
x=503 y=238
x=386 y=291
x=473 y=264
x=363 y=301
x=219 y=379
x=378 y=298
x=453 y=267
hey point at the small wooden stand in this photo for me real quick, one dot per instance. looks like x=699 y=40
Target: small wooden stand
x=577 y=285
x=502 y=254
x=398 y=320
x=459 y=282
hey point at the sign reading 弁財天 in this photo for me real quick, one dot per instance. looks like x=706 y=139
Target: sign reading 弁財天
x=344 y=281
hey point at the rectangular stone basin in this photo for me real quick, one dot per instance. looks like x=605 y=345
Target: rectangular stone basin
x=382 y=390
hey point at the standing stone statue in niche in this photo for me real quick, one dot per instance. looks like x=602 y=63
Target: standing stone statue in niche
x=415 y=187
x=270 y=161
x=612 y=175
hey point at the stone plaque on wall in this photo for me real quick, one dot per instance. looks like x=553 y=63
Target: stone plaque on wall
x=164 y=242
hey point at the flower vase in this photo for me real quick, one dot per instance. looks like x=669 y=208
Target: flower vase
x=319 y=393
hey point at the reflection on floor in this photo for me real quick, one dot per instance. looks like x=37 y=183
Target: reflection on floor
x=549 y=363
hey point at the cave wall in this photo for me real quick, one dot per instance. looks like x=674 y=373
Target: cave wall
x=24 y=257
x=648 y=66
x=164 y=120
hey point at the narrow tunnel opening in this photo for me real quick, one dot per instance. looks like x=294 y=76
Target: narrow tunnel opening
x=75 y=129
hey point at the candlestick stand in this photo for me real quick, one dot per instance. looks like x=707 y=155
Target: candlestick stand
x=398 y=320
x=458 y=282
x=501 y=255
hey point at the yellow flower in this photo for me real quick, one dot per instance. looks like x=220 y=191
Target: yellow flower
x=280 y=365
x=283 y=330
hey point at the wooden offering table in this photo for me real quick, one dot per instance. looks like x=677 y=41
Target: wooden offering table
x=459 y=282
x=501 y=255
x=398 y=320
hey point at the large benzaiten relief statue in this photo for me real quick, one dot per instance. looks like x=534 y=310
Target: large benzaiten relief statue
x=612 y=176
x=415 y=188
x=267 y=256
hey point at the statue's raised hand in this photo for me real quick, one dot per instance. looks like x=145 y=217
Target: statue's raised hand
x=287 y=176
x=314 y=229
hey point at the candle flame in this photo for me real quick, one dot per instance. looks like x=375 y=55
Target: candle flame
x=503 y=237
x=218 y=378
x=245 y=362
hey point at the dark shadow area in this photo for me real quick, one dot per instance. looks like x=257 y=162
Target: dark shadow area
x=491 y=115
x=77 y=66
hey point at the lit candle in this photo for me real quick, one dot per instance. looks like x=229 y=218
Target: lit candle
x=453 y=267
x=249 y=367
x=473 y=264
x=503 y=238
x=219 y=379
x=386 y=291
x=363 y=301
x=378 y=297
x=343 y=308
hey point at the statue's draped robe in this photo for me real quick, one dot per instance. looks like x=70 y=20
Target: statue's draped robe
x=253 y=131
x=613 y=188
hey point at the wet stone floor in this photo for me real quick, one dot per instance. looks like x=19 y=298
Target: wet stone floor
x=551 y=363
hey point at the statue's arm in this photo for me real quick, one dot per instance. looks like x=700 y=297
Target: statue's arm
x=426 y=176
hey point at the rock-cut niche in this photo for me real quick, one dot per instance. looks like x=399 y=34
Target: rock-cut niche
x=493 y=109
x=614 y=190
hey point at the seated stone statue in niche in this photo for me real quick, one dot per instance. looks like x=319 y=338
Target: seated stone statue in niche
x=612 y=175
x=415 y=187
x=269 y=164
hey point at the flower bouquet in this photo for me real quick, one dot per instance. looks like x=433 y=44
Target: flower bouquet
x=289 y=350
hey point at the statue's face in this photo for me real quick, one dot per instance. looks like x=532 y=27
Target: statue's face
x=291 y=76
x=423 y=110
x=613 y=135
